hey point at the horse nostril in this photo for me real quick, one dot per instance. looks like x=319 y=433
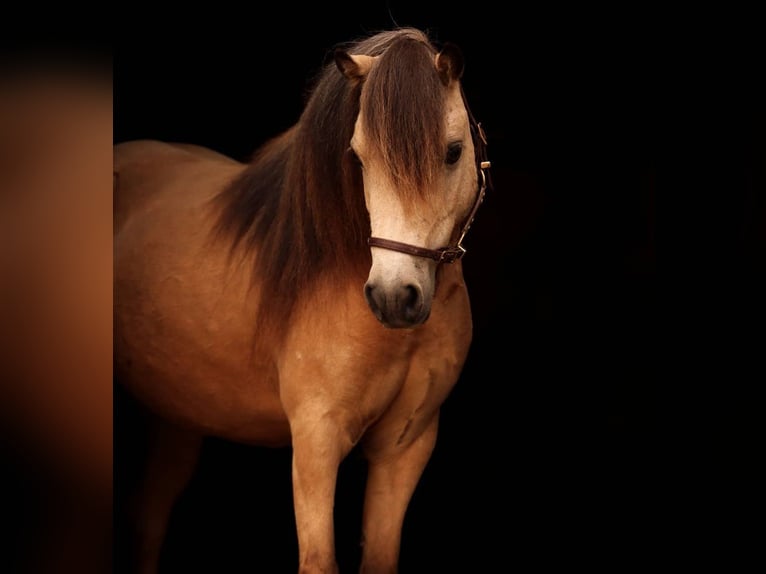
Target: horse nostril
x=369 y=294
x=411 y=301
x=411 y=295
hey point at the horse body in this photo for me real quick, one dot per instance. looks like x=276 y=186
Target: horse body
x=184 y=320
x=181 y=343
x=197 y=342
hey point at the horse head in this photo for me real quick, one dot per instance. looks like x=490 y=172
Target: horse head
x=414 y=141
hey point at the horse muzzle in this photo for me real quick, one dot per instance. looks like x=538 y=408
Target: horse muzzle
x=399 y=305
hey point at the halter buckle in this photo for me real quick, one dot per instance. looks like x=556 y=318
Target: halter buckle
x=451 y=254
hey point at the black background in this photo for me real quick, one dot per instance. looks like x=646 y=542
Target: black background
x=606 y=415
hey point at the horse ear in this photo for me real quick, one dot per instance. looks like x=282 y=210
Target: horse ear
x=449 y=63
x=353 y=66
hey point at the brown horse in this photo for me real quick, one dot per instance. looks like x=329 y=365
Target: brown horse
x=244 y=291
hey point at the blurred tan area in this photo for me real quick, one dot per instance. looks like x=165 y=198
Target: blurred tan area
x=56 y=316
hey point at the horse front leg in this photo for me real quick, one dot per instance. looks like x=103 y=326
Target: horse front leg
x=319 y=445
x=392 y=477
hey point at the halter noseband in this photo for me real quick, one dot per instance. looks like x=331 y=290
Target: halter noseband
x=450 y=254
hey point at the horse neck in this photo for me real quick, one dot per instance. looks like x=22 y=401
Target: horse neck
x=323 y=201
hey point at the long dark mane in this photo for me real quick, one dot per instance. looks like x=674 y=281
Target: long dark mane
x=300 y=203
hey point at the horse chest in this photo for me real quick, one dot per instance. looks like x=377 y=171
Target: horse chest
x=383 y=385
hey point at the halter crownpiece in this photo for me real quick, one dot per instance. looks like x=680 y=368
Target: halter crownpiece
x=450 y=254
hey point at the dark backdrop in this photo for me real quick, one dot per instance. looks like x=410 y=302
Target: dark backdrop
x=616 y=271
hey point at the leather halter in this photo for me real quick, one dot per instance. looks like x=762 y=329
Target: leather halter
x=450 y=254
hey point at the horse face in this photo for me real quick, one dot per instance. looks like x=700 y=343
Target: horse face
x=400 y=287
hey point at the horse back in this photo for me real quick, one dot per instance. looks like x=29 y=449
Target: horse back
x=145 y=168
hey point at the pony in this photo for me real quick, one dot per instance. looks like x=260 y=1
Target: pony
x=311 y=298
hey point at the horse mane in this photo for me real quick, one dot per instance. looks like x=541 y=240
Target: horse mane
x=300 y=202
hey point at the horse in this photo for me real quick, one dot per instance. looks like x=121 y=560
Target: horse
x=312 y=297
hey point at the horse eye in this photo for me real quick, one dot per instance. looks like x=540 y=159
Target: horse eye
x=454 y=150
x=354 y=156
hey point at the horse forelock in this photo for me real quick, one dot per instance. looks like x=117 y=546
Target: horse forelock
x=403 y=107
